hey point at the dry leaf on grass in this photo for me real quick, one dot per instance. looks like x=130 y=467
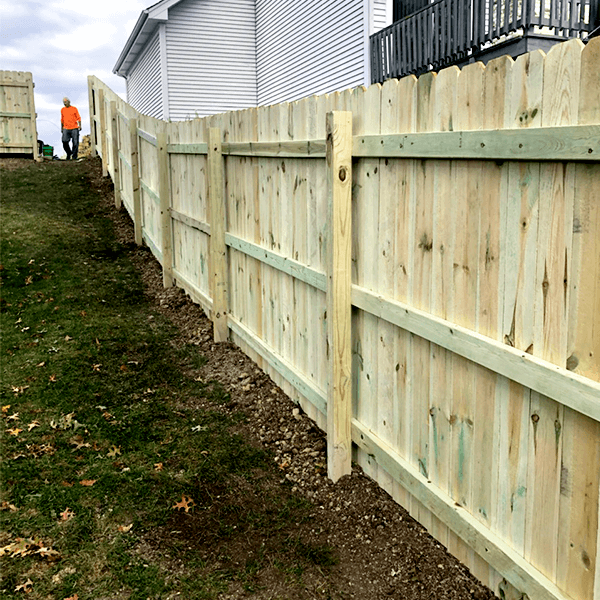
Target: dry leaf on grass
x=25 y=587
x=73 y=597
x=124 y=528
x=186 y=504
x=158 y=466
x=13 y=417
x=88 y=482
x=114 y=450
x=33 y=425
x=8 y=506
x=14 y=431
x=5 y=408
x=78 y=442
x=67 y=514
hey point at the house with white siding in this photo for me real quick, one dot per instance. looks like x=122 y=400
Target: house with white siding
x=192 y=58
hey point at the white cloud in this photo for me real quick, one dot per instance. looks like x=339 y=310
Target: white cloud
x=62 y=42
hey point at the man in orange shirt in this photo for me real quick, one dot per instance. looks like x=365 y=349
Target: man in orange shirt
x=70 y=125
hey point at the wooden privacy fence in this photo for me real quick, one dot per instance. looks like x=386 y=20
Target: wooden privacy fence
x=17 y=114
x=417 y=264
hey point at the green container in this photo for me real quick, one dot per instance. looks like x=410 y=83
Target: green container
x=48 y=151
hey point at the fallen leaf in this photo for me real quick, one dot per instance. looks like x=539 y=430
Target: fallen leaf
x=19 y=389
x=74 y=597
x=14 y=431
x=66 y=484
x=42 y=364
x=31 y=261
x=78 y=442
x=7 y=506
x=158 y=466
x=13 y=417
x=20 y=547
x=114 y=450
x=47 y=552
x=124 y=528
x=199 y=428
x=123 y=368
x=88 y=482
x=52 y=378
x=5 y=408
x=33 y=425
x=68 y=338
x=67 y=514
x=186 y=503
x=25 y=587
x=28 y=280
x=96 y=367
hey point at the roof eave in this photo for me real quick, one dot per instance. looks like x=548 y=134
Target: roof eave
x=137 y=30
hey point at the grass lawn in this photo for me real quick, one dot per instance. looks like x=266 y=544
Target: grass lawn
x=112 y=487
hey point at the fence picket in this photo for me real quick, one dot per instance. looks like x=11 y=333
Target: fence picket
x=501 y=257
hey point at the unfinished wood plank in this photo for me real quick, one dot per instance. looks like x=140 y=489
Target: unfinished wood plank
x=403 y=248
x=135 y=180
x=93 y=99
x=218 y=249
x=284 y=148
x=315 y=395
x=420 y=287
x=164 y=193
x=367 y=119
x=339 y=395
x=497 y=552
x=574 y=143
x=553 y=270
x=103 y=144
x=115 y=152
x=386 y=238
x=578 y=560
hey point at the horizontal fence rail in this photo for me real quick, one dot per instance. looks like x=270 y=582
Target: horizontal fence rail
x=429 y=36
x=417 y=265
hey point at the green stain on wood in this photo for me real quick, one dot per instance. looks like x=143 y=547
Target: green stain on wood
x=461 y=452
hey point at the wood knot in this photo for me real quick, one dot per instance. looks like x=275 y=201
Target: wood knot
x=342 y=174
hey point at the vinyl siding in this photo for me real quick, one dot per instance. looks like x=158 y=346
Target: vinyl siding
x=380 y=17
x=144 y=89
x=211 y=57
x=308 y=47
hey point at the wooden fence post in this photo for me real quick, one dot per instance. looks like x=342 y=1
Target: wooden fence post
x=36 y=154
x=339 y=282
x=92 y=104
x=164 y=192
x=218 y=249
x=135 y=180
x=103 y=144
x=114 y=126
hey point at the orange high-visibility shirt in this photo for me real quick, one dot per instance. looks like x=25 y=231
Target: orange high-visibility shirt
x=69 y=117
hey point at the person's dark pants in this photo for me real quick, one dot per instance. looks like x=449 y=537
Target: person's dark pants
x=67 y=136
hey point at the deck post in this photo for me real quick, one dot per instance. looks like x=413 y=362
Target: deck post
x=164 y=194
x=339 y=305
x=218 y=249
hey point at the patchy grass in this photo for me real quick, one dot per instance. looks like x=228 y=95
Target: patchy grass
x=111 y=486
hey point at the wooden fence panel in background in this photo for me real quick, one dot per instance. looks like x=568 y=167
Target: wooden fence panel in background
x=475 y=292
x=17 y=114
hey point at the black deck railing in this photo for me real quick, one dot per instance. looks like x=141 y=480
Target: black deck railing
x=447 y=32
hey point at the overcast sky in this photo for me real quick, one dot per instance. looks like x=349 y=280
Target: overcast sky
x=62 y=42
